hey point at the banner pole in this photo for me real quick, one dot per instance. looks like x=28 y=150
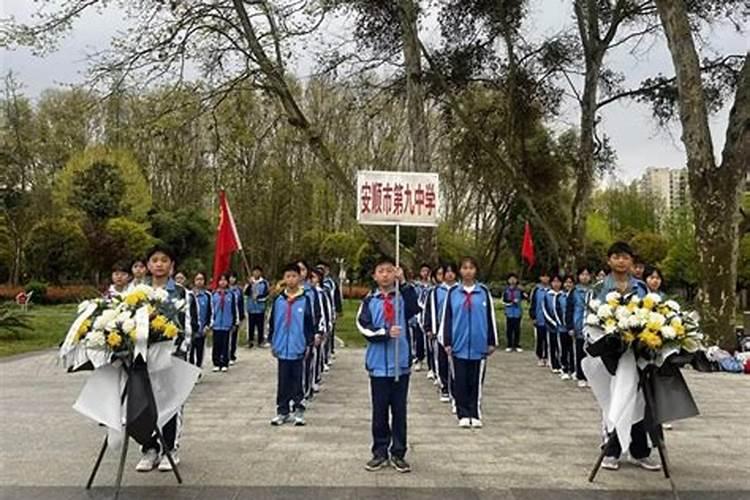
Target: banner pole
x=396 y=307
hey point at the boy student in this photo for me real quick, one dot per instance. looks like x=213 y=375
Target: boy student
x=256 y=291
x=202 y=298
x=223 y=320
x=240 y=314
x=434 y=313
x=120 y=277
x=619 y=279
x=291 y=332
x=536 y=313
x=313 y=296
x=160 y=261
x=422 y=286
x=512 y=297
x=383 y=330
x=577 y=310
x=469 y=333
x=553 y=309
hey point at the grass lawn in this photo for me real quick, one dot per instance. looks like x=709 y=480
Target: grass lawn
x=50 y=323
x=48 y=326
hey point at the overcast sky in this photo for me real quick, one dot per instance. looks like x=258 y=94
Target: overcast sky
x=635 y=136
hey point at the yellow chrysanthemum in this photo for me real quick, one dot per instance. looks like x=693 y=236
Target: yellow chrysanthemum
x=170 y=331
x=132 y=334
x=650 y=339
x=611 y=322
x=114 y=340
x=631 y=307
x=159 y=323
x=628 y=337
x=135 y=298
x=648 y=302
x=83 y=329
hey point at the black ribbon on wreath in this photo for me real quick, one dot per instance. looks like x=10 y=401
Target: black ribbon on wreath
x=609 y=348
x=141 y=412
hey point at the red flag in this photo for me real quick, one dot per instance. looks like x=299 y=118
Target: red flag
x=527 y=249
x=227 y=240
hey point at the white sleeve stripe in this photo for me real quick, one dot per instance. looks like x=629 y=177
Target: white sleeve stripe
x=365 y=331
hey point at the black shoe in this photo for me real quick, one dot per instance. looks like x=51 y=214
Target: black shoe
x=250 y=345
x=400 y=465
x=376 y=463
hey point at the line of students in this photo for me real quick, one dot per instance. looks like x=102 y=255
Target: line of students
x=456 y=322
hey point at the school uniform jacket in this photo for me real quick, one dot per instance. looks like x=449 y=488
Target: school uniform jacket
x=291 y=329
x=468 y=325
x=261 y=289
x=536 y=308
x=512 y=297
x=553 y=309
x=576 y=309
x=434 y=307
x=375 y=316
x=224 y=309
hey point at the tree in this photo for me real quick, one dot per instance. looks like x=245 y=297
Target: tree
x=187 y=231
x=715 y=187
x=55 y=250
x=652 y=248
x=127 y=240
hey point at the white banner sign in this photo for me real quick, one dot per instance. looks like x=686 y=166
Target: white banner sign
x=397 y=198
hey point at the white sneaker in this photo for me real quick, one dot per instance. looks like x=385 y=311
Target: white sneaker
x=430 y=375
x=224 y=369
x=316 y=387
x=266 y=345
x=667 y=427
x=647 y=463
x=518 y=349
x=464 y=423
x=165 y=466
x=280 y=419
x=444 y=398
x=582 y=384
x=541 y=363
x=216 y=369
x=556 y=371
x=418 y=366
x=232 y=362
x=148 y=461
x=564 y=376
x=476 y=423
x=610 y=463
x=508 y=349
x=453 y=409
x=326 y=368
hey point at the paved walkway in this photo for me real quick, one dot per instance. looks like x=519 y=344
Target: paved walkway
x=540 y=439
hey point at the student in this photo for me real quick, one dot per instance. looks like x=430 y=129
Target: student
x=654 y=280
x=512 y=297
x=256 y=291
x=139 y=271
x=469 y=333
x=601 y=275
x=552 y=308
x=313 y=297
x=536 y=313
x=223 y=319
x=435 y=304
x=202 y=298
x=240 y=315
x=377 y=321
x=291 y=334
x=120 y=277
x=431 y=336
x=638 y=267
x=577 y=311
x=160 y=261
x=566 y=331
x=422 y=286
x=317 y=276
x=619 y=279
x=180 y=279
x=334 y=290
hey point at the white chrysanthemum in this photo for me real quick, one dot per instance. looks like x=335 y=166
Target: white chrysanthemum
x=672 y=305
x=159 y=294
x=595 y=304
x=622 y=324
x=610 y=329
x=128 y=325
x=592 y=319
x=107 y=316
x=656 y=321
x=613 y=297
x=622 y=313
x=96 y=339
x=668 y=332
x=604 y=312
x=655 y=297
x=123 y=316
x=634 y=322
x=642 y=314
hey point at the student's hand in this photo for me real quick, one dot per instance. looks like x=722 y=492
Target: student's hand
x=491 y=350
x=430 y=335
x=400 y=274
x=318 y=340
x=448 y=350
x=395 y=332
x=572 y=333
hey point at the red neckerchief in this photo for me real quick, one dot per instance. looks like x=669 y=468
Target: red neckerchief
x=467 y=300
x=289 y=304
x=221 y=299
x=388 y=309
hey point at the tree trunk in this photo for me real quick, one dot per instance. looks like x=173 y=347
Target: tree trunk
x=426 y=246
x=715 y=189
